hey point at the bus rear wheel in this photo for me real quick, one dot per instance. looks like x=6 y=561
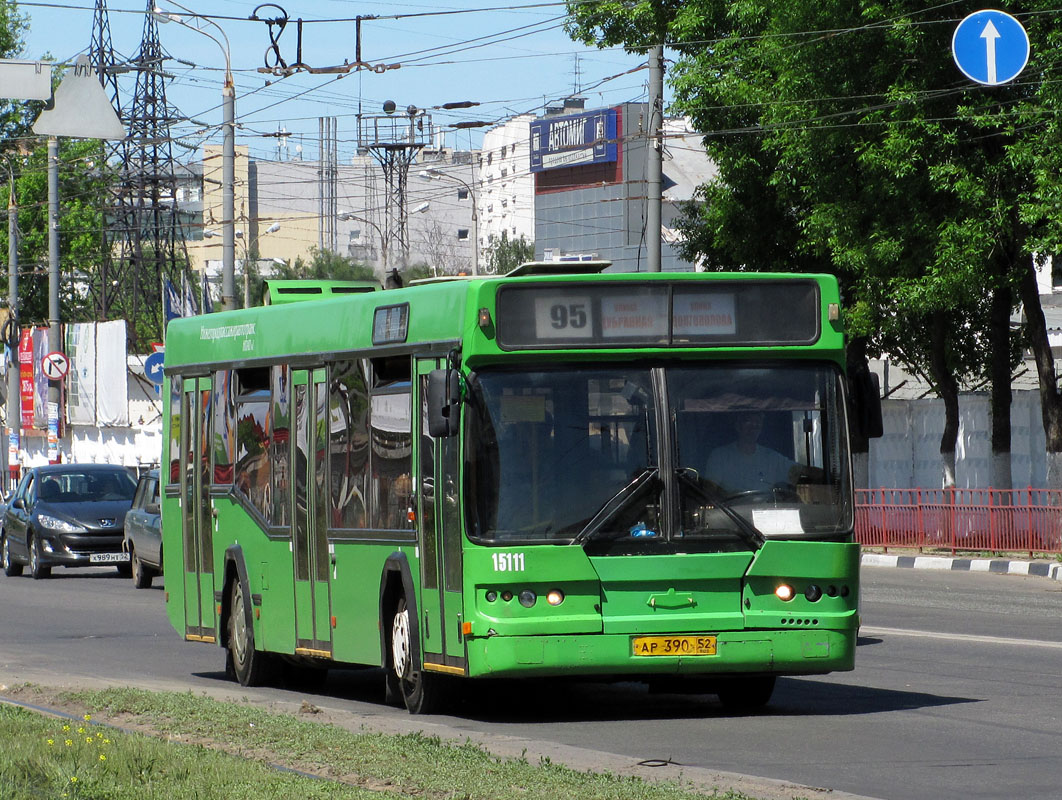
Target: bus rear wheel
x=420 y=691
x=746 y=695
x=249 y=666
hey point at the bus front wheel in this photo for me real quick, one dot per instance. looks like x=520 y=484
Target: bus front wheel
x=249 y=666
x=419 y=690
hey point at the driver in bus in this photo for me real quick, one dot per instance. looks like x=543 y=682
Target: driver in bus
x=745 y=465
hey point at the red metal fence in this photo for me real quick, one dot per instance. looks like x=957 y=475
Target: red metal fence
x=995 y=520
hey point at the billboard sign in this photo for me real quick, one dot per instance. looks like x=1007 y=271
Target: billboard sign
x=573 y=140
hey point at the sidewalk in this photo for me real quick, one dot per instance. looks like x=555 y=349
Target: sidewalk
x=1002 y=566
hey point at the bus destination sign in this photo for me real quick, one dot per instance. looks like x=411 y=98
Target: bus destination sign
x=750 y=314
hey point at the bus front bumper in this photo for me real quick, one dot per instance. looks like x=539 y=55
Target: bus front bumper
x=787 y=652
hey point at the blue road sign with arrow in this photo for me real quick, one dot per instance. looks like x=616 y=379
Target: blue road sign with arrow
x=990 y=47
x=153 y=367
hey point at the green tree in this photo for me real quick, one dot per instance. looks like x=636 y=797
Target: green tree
x=81 y=184
x=505 y=254
x=16 y=116
x=322 y=265
x=847 y=141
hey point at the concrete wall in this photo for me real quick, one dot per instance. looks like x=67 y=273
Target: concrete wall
x=908 y=455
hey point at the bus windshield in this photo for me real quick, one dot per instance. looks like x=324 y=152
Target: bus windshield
x=670 y=457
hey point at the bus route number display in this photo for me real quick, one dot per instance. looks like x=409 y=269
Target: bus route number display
x=643 y=316
x=563 y=316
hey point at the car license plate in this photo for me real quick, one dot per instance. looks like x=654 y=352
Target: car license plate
x=673 y=645
x=108 y=558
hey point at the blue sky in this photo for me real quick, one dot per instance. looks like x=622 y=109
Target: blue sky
x=510 y=60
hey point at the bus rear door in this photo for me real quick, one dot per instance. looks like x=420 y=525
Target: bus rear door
x=313 y=560
x=196 y=512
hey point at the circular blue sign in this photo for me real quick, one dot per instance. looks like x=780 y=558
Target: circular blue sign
x=153 y=367
x=990 y=47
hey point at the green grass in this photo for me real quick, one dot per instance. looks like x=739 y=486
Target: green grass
x=203 y=749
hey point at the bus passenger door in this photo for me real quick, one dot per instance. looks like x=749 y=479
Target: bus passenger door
x=196 y=512
x=439 y=538
x=309 y=535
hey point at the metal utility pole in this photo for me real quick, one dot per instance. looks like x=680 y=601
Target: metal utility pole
x=150 y=240
x=394 y=141
x=54 y=341
x=101 y=57
x=328 y=177
x=228 y=191
x=14 y=404
x=655 y=156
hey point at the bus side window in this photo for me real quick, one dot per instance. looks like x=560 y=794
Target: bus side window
x=391 y=449
x=253 y=432
x=224 y=430
x=348 y=410
x=279 y=447
x=176 y=397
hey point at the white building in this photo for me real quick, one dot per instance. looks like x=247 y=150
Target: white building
x=506 y=188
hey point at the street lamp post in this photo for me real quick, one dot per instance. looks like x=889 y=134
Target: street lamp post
x=435 y=174
x=248 y=248
x=349 y=215
x=228 y=155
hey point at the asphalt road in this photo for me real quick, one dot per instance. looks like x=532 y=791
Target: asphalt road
x=957 y=691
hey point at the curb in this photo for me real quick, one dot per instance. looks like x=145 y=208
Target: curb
x=1042 y=569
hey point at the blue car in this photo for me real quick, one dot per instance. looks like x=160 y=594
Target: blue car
x=67 y=515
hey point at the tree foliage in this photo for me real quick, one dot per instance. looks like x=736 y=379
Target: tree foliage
x=848 y=142
x=322 y=265
x=81 y=185
x=16 y=116
x=505 y=254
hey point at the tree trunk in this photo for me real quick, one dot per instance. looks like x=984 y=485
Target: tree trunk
x=948 y=388
x=1000 y=375
x=1050 y=398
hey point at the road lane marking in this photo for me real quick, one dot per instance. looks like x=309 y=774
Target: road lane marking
x=959 y=637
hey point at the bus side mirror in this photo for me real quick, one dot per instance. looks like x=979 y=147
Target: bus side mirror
x=867 y=395
x=444 y=402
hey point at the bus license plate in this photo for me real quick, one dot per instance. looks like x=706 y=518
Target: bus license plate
x=108 y=558
x=674 y=645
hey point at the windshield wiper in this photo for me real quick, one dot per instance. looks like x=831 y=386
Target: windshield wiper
x=749 y=532
x=620 y=501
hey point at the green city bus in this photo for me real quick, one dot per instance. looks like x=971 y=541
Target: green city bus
x=518 y=475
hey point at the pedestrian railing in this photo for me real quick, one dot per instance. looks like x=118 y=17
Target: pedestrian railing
x=994 y=520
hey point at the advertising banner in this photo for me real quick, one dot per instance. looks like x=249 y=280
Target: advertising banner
x=25 y=371
x=574 y=139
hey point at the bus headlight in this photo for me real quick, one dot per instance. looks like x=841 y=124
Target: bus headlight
x=784 y=592
x=555 y=597
x=528 y=598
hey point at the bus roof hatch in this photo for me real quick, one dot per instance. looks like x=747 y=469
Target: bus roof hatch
x=293 y=291
x=559 y=268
